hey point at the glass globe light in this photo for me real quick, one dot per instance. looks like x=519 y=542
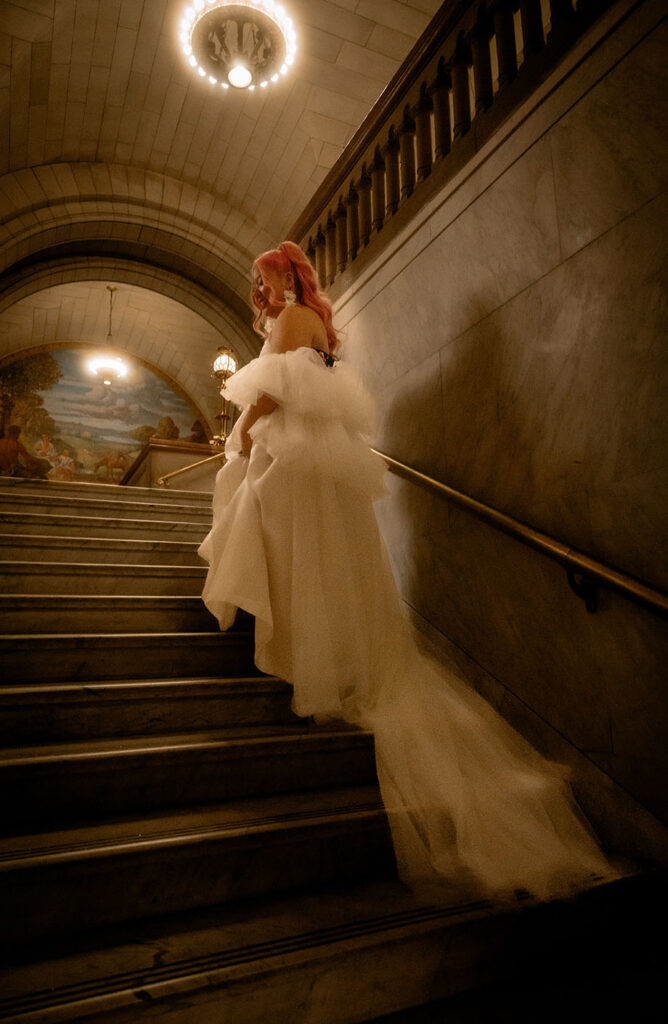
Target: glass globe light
x=225 y=364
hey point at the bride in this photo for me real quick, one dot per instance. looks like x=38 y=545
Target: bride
x=295 y=542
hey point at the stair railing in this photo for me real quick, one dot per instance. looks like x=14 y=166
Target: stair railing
x=162 y=480
x=585 y=575
x=471 y=68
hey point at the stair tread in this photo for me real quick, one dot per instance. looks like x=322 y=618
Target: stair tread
x=179 y=943
x=98 y=568
x=35 y=539
x=231 y=738
x=104 y=500
x=66 y=487
x=115 y=638
x=55 y=518
x=187 y=953
x=86 y=599
x=246 y=815
x=123 y=687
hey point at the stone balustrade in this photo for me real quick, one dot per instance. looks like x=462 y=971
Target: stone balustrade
x=472 y=67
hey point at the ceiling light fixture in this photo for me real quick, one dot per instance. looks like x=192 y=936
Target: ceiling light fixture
x=109 y=366
x=248 y=43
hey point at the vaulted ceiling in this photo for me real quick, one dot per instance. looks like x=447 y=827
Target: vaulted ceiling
x=119 y=164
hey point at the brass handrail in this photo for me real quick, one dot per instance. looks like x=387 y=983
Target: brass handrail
x=161 y=481
x=591 y=573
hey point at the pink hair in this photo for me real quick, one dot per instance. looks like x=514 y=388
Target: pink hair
x=289 y=257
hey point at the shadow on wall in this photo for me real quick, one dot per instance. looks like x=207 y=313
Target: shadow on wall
x=569 y=680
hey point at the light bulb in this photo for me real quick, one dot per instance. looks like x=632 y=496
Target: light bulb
x=239 y=76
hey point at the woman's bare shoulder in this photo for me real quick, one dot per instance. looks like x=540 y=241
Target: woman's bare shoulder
x=297 y=327
x=299 y=314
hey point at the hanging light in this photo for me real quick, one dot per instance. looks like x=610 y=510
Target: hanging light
x=247 y=43
x=110 y=368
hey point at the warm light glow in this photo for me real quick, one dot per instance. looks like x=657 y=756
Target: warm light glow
x=107 y=363
x=225 y=363
x=239 y=76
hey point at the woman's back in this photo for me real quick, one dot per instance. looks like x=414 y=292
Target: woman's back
x=297 y=327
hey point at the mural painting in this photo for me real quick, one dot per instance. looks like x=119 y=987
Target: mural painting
x=59 y=421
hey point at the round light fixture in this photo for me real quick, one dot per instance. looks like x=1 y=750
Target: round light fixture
x=108 y=367
x=243 y=44
x=225 y=364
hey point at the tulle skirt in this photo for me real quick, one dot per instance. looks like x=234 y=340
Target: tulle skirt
x=295 y=542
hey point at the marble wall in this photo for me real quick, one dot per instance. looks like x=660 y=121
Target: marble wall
x=514 y=336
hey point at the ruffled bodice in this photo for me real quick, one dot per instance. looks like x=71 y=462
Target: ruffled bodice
x=323 y=420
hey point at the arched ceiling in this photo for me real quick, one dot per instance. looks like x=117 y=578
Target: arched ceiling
x=117 y=162
x=145 y=323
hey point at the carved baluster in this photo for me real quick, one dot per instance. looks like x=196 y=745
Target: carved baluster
x=504 y=28
x=330 y=233
x=364 y=190
x=460 y=88
x=321 y=257
x=440 y=93
x=422 y=114
x=407 y=153
x=377 y=190
x=482 y=64
x=561 y=12
x=532 y=26
x=352 y=207
x=340 y=218
x=391 y=157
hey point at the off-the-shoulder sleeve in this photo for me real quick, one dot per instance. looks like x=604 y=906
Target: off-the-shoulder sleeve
x=300 y=382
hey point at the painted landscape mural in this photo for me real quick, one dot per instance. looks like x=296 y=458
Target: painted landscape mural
x=59 y=421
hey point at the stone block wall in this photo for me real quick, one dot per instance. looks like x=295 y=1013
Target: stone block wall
x=514 y=334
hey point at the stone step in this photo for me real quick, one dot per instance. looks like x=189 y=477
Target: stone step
x=77 y=781
x=124 y=870
x=120 y=509
x=351 y=953
x=44 y=548
x=107 y=492
x=100 y=527
x=104 y=579
x=78 y=711
x=72 y=657
x=77 y=613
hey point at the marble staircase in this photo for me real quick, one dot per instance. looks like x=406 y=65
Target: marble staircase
x=175 y=844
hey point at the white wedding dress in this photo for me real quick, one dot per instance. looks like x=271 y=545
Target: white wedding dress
x=295 y=542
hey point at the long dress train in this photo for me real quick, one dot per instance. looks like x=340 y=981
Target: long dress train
x=295 y=542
